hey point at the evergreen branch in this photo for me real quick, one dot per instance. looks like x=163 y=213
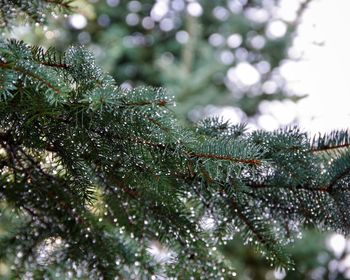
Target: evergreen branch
x=36 y=216
x=228 y=158
x=191 y=154
x=330 y=141
x=153 y=178
x=48 y=57
x=132 y=193
x=157 y=123
x=256 y=185
x=217 y=127
x=30 y=74
x=341 y=213
x=61 y=3
x=248 y=223
x=11 y=11
x=160 y=102
x=55 y=65
x=324 y=149
x=339 y=177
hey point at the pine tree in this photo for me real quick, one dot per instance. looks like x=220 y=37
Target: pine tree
x=94 y=176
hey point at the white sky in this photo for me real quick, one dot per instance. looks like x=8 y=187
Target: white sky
x=322 y=49
x=323 y=73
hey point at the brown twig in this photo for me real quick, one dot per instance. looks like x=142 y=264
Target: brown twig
x=160 y=102
x=221 y=157
x=327 y=148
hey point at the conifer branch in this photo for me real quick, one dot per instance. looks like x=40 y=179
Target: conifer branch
x=228 y=158
x=30 y=74
x=61 y=3
x=123 y=172
x=255 y=185
x=160 y=102
x=338 y=139
x=55 y=65
x=248 y=223
x=329 y=148
x=339 y=177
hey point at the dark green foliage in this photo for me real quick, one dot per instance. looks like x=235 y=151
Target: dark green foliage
x=101 y=173
x=34 y=10
x=310 y=254
x=97 y=175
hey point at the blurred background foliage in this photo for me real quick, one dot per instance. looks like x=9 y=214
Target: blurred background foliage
x=205 y=53
x=211 y=55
